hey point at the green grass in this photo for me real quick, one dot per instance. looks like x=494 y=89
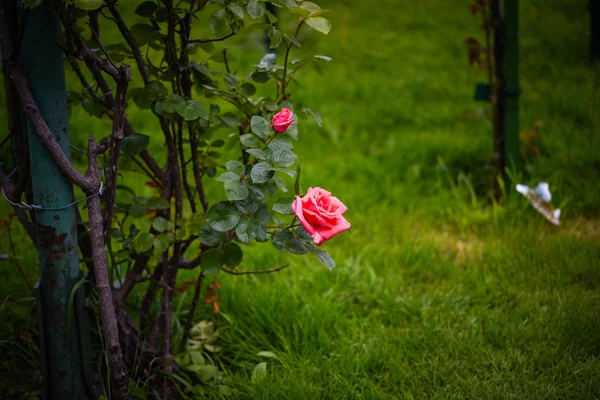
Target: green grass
x=437 y=293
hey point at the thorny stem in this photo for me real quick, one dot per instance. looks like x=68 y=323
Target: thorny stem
x=285 y=62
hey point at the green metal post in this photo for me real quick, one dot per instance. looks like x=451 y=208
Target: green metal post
x=56 y=230
x=512 y=88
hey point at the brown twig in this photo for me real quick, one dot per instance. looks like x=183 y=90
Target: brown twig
x=118 y=371
x=220 y=39
x=115 y=145
x=257 y=271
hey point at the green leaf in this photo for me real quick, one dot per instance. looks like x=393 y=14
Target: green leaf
x=228 y=176
x=300 y=11
x=162 y=242
x=222 y=216
x=271 y=17
x=143 y=34
x=144 y=242
x=249 y=229
x=260 y=76
x=212 y=261
x=211 y=237
x=236 y=9
x=146 y=9
x=297 y=188
x=231 y=81
x=137 y=211
x=320 y=24
x=248 y=89
x=315 y=115
x=233 y=255
x=157 y=203
x=260 y=126
x=91 y=107
x=87 y=5
x=287 y=242
x=206 y=372
x=230 y=119
x=310 y=6
x=259 y=373
x=191 y=110
x=133 y=144
x=256 y=9
x=217 y=143
x=235 y=167
x=258 y=153
x=274 y=38
x=161 y=224
x=155 y=91
x=33 y=3
x=250 y=140
x=261 y=172
x=217 y=22
x=323 y=257
x=280 y=184
x=293 y=40
x=281 y=157
x=235 y=191
x=284 y=206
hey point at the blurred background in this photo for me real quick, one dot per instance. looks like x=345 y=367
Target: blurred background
x=441 y=290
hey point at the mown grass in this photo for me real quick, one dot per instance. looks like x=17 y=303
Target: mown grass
x=439 y=292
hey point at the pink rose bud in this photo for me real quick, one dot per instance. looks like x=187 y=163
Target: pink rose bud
x=282 y=120
x=320 y=214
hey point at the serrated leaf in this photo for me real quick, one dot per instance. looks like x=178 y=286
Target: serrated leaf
x=144 y=242
x=235 y=191
x=256 y=9
x=291 y=39
x=287 y=242
x=310 y=6
x=230 y=119
x=228 y=176
x=281 y=157
x=260 y=127
x=323 y=256
x=320 y=24
x=91 y=107
x=134 y=143
x=250 y=140
x=191 y=110
x=258 y=153
x=222 y=216
x=280 y=184
x=300 y=11
x=146 y=9
x=259 y=373
x=248 y=88
x=284 y=206
x=211 y=237
x=161 y=224
x=274 y=38
x=236 y=9
x=143 y=34
x=212 y=261
x=217 y=22
x=155 y=91
x=235 y=167
x=157 y=203
x=315 y=115
x=231 y=81
x=162 y=242
x=233 y=255
x=261 y=172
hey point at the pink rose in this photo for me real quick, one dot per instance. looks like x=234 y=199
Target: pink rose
x=320 y=214
x=282 y=120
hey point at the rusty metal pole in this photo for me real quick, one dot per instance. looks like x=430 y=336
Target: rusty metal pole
x=56 y=230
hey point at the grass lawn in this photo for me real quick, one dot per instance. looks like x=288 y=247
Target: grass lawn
x=439 y=292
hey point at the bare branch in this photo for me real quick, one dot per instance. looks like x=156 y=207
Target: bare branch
x=115 y=148
x=220 y=39
x=257 y=271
